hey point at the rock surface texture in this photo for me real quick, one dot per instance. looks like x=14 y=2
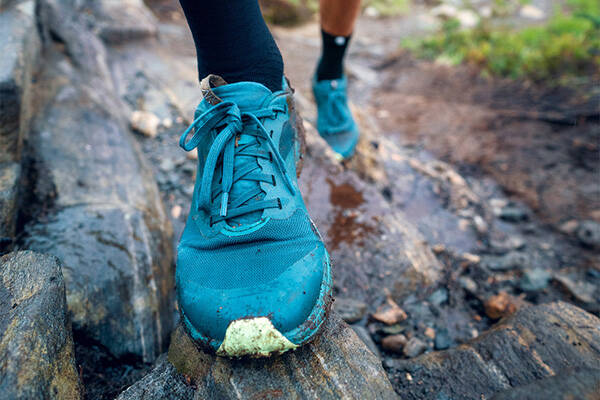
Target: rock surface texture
x=100 y=209
x=538 y=347
x=337 y=365
x=20 y=46
x=36 y=346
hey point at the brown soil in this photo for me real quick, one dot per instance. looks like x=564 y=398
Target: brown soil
x=540 y=143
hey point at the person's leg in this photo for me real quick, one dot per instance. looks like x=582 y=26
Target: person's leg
x=233 y=41
x=334 y=119
x=337 y=23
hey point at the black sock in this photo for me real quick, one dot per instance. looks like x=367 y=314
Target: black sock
x=331 y=65
x=233 y=41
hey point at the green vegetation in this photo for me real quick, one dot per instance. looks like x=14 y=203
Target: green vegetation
x=567 y=46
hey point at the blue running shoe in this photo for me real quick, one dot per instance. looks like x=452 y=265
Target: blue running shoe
x=334 y=119
x=253 y=275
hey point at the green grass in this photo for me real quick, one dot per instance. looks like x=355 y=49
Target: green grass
x=568 y=45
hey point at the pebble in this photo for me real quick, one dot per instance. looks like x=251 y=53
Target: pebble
x=442 y=340
x=534 y=280
x=166 y=165
x=588 y=233
x=569 y=227
x=468 y=284
x=439 y=297
x=414 y=347
x=349 y=309
x=502 y=305
x=430 y=332
x=394 y=343
x=512 y=260
x=393 y=329
x=512 y=214
x=390 y=313
x=145 y=123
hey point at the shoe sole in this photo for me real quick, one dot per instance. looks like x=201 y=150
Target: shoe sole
x=256 y=337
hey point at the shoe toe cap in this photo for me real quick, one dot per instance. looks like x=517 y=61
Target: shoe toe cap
x=287 y=301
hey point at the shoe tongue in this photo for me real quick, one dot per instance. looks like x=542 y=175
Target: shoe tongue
x=248 y=96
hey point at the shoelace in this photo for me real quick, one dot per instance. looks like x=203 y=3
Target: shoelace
x=338 y=116
x=227 y=121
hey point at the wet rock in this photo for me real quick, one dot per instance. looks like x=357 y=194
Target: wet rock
x=390 y=313
x=581 y=383
x=102 y=214
x=588 y=233
x=534 y=279
x=145 y=123
x=348 y=212
x=20 y=46
x=163 y=382
x=336 y=365
x=36 y=346
x=349 y=310
x=122 y=21
x=502 y=305
x=535 y=343
x=364 y=335
x=414 y=347
x=394 y=343
x=10 y=174
x=581 y=291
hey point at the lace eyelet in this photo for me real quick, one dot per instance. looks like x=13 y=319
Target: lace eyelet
x=279 y=203
x=273 y=178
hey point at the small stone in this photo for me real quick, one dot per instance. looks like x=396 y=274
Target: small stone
x=569 y=227
x=468 y=284
x=166 y=165
x=145 y=123
x=349 y=309
x=513 y=214
x=176 y=211
x=512 y=260
x=167 y=123
x=439 y=297
x=442 y=340
x=534 y=279
x=502 y=305
x=393 y=330
x=394 y=343
x=430 y=332
x=588 y=233
x=390 y=313
x=438 y=248
x=414 y=347
x=480 y=225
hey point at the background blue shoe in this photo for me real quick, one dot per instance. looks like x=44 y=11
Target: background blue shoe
x=253 y=276
x=334 y=119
